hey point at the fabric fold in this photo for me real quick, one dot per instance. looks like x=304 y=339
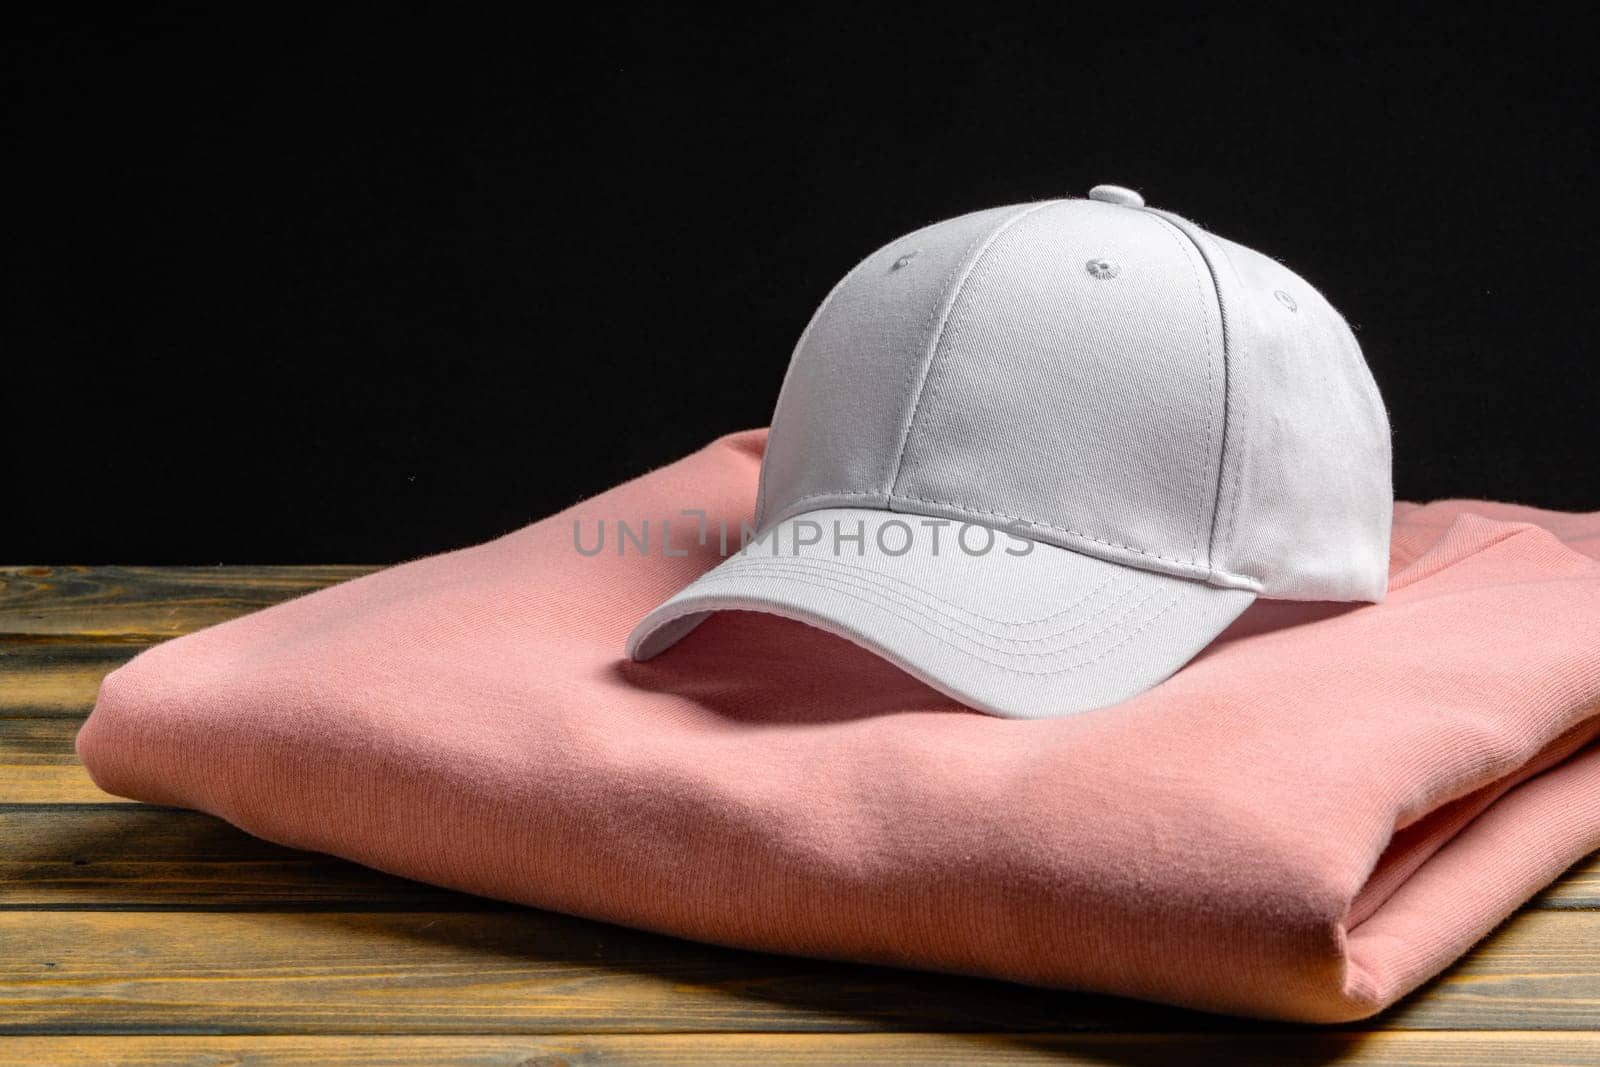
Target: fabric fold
x=1322 y=810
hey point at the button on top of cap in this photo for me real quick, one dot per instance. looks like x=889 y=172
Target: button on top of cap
x=1116 y=194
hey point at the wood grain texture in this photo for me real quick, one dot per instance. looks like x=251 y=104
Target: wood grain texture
x=1361 y=1049
x=524 y=971
x=1578 y=888
x=515 y=972
x=39 y=766
x=135 y=856
x=57 y=677
x=143 y=603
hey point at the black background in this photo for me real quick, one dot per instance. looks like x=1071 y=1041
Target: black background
x=358 y=289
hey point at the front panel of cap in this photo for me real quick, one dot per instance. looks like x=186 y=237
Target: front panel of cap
x=853 y=380
x=1077 y=386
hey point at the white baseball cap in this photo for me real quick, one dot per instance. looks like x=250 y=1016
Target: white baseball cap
x=1151 y=425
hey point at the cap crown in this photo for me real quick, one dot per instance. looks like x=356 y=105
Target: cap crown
x=1106 y=378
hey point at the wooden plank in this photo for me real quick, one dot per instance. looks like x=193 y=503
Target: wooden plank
x=1578 y=888
x=140 y=857
x=520 y=971
x=39 y=766
x=1539 y=971
x=523 y=971
x=1301 y=1049
x=56 y=677
x=147 y=602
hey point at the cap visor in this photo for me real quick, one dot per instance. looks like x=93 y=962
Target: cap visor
x=1026 y=635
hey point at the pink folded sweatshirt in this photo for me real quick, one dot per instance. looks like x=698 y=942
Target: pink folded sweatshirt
x=1321 y=811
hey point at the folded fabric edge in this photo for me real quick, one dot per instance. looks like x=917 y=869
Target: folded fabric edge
x=1415 y=840
x=1510 y=847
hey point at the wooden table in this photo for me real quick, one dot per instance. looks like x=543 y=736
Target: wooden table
x=131 y=933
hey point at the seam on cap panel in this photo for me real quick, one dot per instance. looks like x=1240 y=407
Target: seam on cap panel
x=844 y=497
x=1236 y=386
x=1181 y=240
x=1051 y=526
x=1231 y=384
x=938 y=604
x=794 y=504
x=967 y=269
x=783 y=389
